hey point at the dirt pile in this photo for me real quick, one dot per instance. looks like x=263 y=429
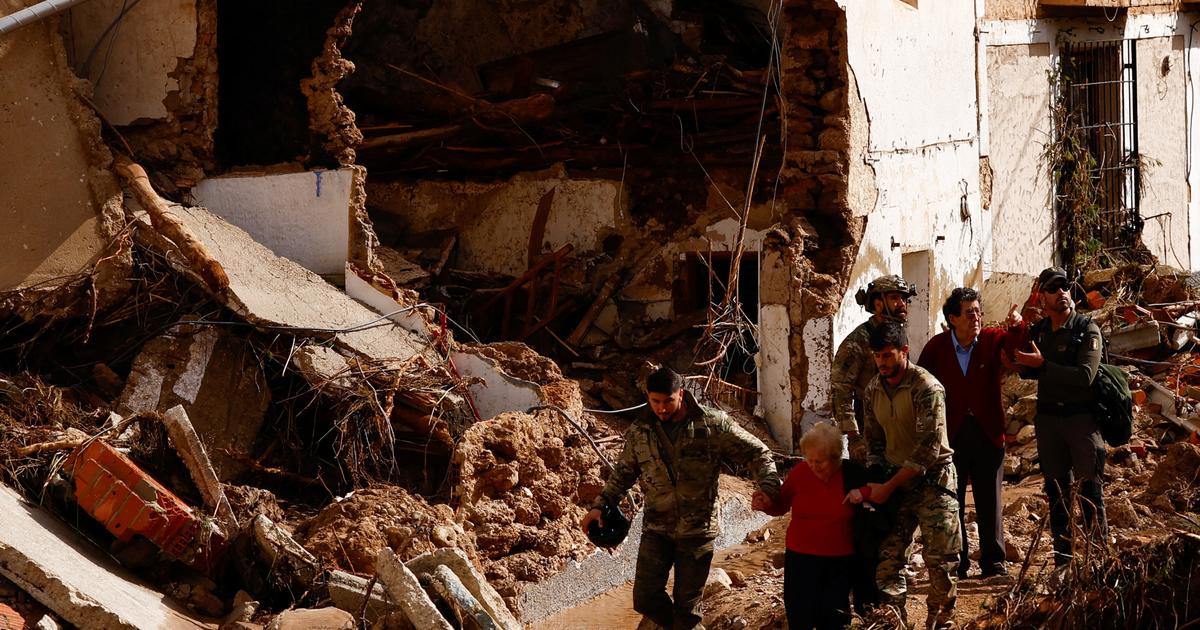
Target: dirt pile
x=349 y=533
x=524 y=482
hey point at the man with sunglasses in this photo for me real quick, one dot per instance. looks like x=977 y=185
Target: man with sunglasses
x=1063 y=354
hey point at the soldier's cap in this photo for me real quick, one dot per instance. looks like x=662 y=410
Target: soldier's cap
x=1049 y=275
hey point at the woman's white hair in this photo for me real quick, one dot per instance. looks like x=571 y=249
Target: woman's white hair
x=825 y=438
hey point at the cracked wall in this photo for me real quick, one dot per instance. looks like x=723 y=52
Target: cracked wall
x=153 y=69
x=61 y=206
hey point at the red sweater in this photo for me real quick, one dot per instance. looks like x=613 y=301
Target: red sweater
x=977 y=391
x=820 y=520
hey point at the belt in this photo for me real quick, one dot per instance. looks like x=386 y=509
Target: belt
x=1063 y=408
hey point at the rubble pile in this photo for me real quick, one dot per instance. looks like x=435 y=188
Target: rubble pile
x=281 y=417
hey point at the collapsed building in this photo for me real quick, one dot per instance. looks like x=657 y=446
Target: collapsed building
x=372 y=249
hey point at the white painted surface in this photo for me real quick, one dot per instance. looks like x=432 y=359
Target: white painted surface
x=818 y=349
x=499 y=392
x=916 y=73
x=81 y=584
x=921 y=314
x=408 y=319
x=722 y=236
x=131 y=68
x=304 y=217
x=1019 y=118
x=774 y=372
x=1162 y=138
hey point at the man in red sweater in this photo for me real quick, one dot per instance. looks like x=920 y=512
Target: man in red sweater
x=967 y=361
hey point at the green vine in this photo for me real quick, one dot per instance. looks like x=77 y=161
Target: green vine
x=1078 y=197
x=1076 y=194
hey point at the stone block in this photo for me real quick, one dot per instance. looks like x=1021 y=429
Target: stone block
x=313 y=619
x=456 y=560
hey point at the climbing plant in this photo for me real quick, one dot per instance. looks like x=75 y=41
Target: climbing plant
x=1070 y=162
x=1079 y=196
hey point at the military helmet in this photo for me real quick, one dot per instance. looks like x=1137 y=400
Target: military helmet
x=614 y=530
x=881 y=286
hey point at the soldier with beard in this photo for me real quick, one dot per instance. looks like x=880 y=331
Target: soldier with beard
x=904 y=421
x=1063 y=355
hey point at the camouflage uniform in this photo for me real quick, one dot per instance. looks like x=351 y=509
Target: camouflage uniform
x=854 y=365
x=853 y=369
x=680 y=519
x=905 y=427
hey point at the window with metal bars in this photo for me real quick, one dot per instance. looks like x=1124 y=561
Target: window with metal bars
x=1098 y=92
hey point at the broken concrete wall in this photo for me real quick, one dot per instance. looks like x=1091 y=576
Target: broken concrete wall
x=153 y=69
x=330 y=121
x=62 y=208
x=495 y=220
x=69 y=575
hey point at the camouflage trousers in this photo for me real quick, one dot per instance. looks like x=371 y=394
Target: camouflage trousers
x=657 y=555
x=932 y=506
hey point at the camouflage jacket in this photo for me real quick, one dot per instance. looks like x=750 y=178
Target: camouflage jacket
x=681 y=499
x=853 y=369
x=905 y=426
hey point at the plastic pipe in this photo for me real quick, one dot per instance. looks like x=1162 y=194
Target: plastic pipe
x=39 y=11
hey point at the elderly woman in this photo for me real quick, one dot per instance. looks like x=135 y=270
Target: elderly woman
x=822 y=492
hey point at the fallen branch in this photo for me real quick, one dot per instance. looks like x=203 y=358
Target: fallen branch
x=74 y=438
x=165 y=223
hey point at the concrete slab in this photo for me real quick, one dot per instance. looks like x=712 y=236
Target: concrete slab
x=80 y=583
x=270 y=290
x=303 y=217
x=499 y=392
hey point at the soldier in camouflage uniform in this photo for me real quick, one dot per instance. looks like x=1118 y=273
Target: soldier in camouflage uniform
x=904 y=421
x=676 y=451
x=853 y=367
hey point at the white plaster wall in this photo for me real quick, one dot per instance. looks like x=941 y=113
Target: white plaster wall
x=915 y=71
x=131 y=67
x=1162 y=138
x=1020 y=125
x=774 y=366
x=304 y=217
x=495 y=218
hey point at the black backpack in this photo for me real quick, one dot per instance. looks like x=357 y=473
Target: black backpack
x=1112 y=406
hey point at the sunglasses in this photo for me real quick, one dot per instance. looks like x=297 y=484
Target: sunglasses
x=1055 y=287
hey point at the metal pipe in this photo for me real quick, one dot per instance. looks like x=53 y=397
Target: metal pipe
x=37 y=12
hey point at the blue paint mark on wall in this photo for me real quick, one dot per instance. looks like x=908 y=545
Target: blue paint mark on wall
x=318 y=174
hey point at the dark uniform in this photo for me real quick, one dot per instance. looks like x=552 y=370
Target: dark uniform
x=1069 y=444
x=678 y=468
x=906 y=427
